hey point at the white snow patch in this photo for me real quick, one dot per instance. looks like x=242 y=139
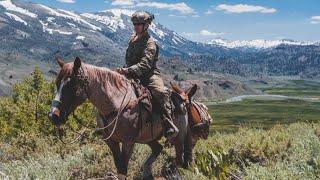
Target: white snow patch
x=62 y=32
x=78 y=19
x=72 y=25
x=157 y=31
x=257 y=44
x=176 y=38
x=69 y=15
x=50 y=31
x=174 y=41
x=16 y=18
x=50 y=19
x=80 y=37
x=112 y=22
x=52 y=11
x=45 y=27
x=12 y=7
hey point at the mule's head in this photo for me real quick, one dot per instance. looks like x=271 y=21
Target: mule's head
x=185 y=95
x=71 y=91
x=200 y=129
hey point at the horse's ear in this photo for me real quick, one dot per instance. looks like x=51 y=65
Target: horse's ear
x=191 y=91
x=176 y=88
x=76 y=64
x=59 y=61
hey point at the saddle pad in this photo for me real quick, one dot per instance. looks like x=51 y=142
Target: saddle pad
x=203 y=112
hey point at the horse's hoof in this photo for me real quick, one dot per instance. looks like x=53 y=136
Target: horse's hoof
x=150 y=177
x=122 y=177
x=186 y=165
x=110 y=176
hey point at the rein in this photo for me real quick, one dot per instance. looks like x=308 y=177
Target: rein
x=114 y=121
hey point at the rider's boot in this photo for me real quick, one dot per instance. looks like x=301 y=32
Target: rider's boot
x=170 y=130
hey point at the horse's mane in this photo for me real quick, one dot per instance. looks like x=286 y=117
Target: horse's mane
x=108 y=76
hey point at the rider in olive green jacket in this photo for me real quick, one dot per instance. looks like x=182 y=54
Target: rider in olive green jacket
x=141 y=57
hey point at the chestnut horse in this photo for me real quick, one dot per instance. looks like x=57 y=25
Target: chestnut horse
x=120 y=117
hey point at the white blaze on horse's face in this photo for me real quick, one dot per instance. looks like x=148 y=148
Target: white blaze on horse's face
x=56 y=113
x=59 y=92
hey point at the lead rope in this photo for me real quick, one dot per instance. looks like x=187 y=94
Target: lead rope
x=59 y=129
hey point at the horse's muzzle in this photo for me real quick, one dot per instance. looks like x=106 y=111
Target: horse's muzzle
x=55 y=115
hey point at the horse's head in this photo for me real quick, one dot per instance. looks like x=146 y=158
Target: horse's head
x=71 y=90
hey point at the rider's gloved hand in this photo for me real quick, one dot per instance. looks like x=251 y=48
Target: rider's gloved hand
x=123 y=71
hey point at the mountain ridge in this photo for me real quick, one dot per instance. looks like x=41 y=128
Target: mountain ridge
x=30 y=31
x=259 y=44
x=113 y=24
x=116 y=26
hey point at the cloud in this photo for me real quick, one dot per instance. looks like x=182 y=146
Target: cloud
x=315 y=20
x=181 y=7
x=188 y=34
x=208 y=33
x=202 y=36
x=245 y=8
x=183 y=15
x=177 y=15
x=67 y=1
x=122 y=3
x=209 y=11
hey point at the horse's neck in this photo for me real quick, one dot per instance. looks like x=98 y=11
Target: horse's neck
x=107 y=90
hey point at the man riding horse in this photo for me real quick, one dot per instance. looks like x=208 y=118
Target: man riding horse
x=115 y=99
x=141 y=57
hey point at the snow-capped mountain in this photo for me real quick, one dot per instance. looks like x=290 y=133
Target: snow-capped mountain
x=39 y=31
x=30 y=31
x=258 y=43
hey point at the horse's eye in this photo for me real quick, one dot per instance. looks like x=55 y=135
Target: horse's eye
x=69 y=81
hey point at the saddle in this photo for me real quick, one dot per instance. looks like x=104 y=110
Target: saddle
x=144 y=96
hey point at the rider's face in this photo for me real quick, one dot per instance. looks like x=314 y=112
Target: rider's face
x=138 y=28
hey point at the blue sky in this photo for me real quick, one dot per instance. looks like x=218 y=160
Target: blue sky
x=203 y=20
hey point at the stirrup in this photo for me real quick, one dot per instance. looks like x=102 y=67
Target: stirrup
x=171 y=133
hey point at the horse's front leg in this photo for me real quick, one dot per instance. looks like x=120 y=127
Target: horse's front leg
x=180 y=141
x=115 y=149
x=126 y=152
x=179 y=147
x=156 y=148
x=188 y=147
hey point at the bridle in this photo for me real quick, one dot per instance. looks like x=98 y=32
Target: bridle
x=82 y=79
x=76 y=78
